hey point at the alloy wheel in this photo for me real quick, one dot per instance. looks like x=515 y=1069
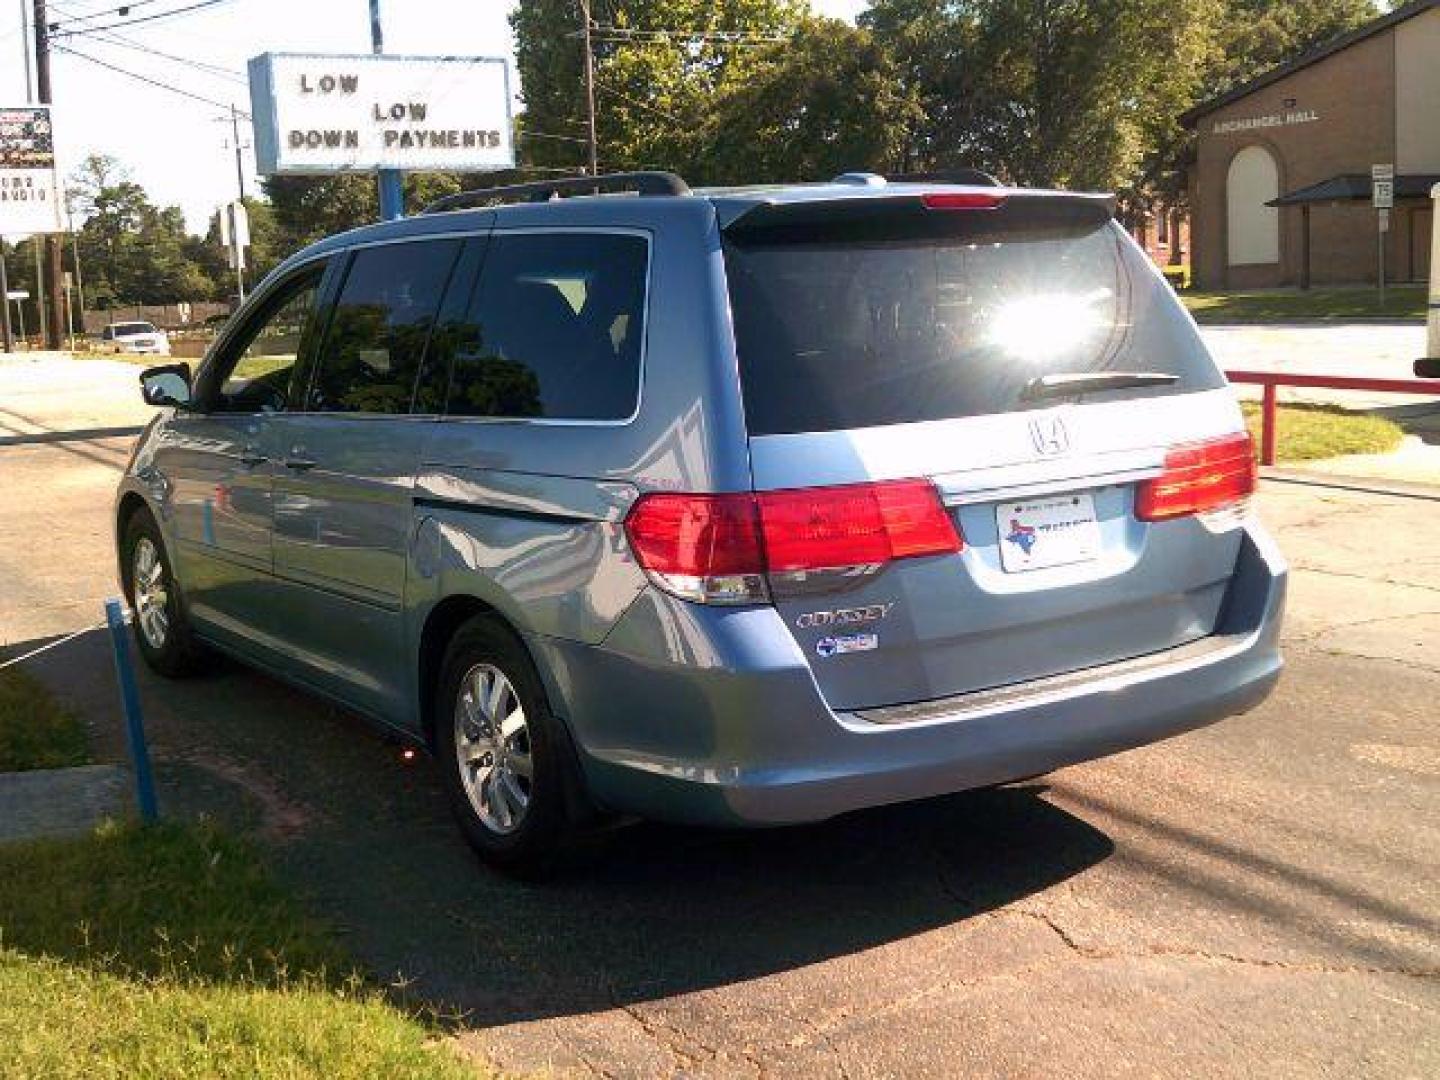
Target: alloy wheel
x=152 y=594
x=492 y=747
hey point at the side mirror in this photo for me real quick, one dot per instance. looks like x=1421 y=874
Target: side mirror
x=1428 y=367
x=168 y=384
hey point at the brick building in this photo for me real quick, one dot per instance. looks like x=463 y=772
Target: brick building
x=1165 y=236
x=1280 y=187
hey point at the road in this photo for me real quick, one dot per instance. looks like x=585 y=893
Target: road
x=1257 y=898
x=1372 y=350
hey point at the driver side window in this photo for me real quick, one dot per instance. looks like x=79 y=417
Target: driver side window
x=260 y=377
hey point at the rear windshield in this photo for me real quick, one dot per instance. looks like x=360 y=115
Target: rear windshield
x=126 y=329
x=863 y=323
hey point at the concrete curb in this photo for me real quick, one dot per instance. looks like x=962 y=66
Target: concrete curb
x=1368 y=485
x=60 y=802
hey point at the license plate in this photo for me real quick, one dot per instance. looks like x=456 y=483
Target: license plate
x=1054 y=531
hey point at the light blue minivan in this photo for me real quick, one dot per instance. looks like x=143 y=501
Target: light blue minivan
x=730 y=506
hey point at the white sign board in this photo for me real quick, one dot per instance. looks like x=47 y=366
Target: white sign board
x=1382 y=187
x=327 y=114
x=29 y=189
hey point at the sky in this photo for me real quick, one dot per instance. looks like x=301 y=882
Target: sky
x=178 y=147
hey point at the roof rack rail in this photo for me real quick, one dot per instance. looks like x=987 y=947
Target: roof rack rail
x=860 y=179
x=962 y=175
x=642 y=183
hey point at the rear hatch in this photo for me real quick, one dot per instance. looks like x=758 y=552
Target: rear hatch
x=1019 y=356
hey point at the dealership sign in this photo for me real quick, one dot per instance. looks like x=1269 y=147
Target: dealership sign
x=29 y=190
x=326 y=114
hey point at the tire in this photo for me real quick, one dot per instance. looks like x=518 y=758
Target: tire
x=162 y=632
x=517 y=823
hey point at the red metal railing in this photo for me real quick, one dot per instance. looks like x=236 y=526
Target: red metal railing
x=1269 y=380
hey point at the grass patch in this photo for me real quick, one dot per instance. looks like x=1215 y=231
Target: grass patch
x=1401 y=302
x=169 y=952
x=35 y=731
x=1311 y=432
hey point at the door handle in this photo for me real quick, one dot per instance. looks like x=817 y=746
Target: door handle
x=250 y=456
x=300 y=464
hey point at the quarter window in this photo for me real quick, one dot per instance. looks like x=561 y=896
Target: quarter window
x=555 y=329
x=380 y=327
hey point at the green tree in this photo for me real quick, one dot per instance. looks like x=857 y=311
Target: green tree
x=308 y=208
x=1052 y=92
x=1257 y=35
x=656 y=79
x=825 y=102
x=132 y=251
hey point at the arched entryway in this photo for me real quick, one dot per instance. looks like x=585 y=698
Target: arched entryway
x=1252 y=228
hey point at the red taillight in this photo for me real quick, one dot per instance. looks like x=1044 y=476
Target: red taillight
x=860 y=524
x=1198 y=477
x=961 y=200
x=719 y=548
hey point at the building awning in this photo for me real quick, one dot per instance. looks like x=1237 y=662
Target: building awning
x=1355 y=187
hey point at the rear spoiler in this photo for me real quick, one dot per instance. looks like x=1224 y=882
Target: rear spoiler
x=839 y=207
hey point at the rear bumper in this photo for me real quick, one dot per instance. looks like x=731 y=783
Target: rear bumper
x=710 y=716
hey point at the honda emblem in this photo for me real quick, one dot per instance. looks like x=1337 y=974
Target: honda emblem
x=1049 y=435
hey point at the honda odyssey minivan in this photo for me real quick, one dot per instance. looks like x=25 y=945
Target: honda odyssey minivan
x=727 y=506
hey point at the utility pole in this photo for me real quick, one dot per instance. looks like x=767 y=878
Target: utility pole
x=35 y=246
x=25 y=49
x=75 y=258
x=239 y=157
x=6 y=337
x=54 y=316
x=589 y=88
x=391 y=181
x=239 y=255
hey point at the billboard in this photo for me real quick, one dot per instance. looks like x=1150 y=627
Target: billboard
x=328 y=114
x=29 y=189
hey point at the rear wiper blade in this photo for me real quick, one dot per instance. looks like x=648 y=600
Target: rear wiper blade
x=1048 y=386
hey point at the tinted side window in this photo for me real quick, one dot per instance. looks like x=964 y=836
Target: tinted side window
x=555 y=330
x=259 y=377
x=382 y=320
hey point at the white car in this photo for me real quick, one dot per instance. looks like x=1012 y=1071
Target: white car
x=141 y=338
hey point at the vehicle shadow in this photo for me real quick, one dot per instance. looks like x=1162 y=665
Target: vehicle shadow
x=647 y=912
x=1414 y=419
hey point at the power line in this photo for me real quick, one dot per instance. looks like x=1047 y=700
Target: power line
x=717 y=37
x=637 y=104
x=198 y=65
x=87 y=16
x=543 y=135
x=146 y=79
x=150 y=50
x=87 y=30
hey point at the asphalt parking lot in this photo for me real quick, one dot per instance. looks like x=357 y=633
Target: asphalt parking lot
x=1257 y=898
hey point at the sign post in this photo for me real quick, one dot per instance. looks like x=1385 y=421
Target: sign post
x=1382 y=196
x=1433 y=311
x=391 y=181
x=29 y=189
x=235 y=238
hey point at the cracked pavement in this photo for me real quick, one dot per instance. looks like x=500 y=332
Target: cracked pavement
x=1256 y=898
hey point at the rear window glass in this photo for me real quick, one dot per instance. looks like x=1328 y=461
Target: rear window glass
x=126 y=329
x=863 y=324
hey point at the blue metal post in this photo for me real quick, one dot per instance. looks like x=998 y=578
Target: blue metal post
x=392 y=194
x=134 y=720
x=392 y=181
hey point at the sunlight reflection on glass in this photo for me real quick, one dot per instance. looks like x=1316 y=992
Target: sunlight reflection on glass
x=1038 y=328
